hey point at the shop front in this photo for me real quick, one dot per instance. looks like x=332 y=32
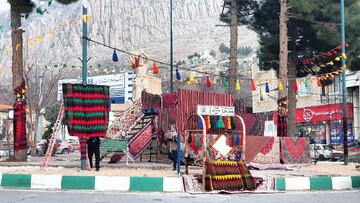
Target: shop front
x=323 y=124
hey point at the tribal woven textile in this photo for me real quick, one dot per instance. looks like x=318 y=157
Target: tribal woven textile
x=86 y=109
x=228 y=175
x=282 y=117
x=295 y=150
x=255 y=123
x=140 y=141
x=19 y=127
x=270 y=154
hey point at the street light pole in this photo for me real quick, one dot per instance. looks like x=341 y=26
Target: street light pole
x=343 y=76
x=171 y=51
x=83 y=140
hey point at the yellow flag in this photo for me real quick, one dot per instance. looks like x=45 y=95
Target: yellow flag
x=201 y=70
x=337 y=59
x=281 y=88
x=344 y=55
x=237 y=87
x=51 y=31
x=1 y=70
x=30 y=43
x=192 y=79
x=39 y=38
x=8 y=51
x=86 y=18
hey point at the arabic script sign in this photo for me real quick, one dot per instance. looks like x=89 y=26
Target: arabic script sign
x=215 y=110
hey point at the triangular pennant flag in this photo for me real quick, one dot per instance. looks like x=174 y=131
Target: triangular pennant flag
x=12 y=23
x=39 y=38
x=208 y=82
x=237 y=86
x=281 y=88
x=319 y=82
x=30 y=43
x=344 y=55
x=51 y=31
x=178 y=74
x=1 y=28
x=192 y=79
x=225 y=83
x=267 y=89
x=296 y=88
x=115 y=57
x=136 y=62
x=49 y=3
x=337 y=59
x=253 y=87
x=201 y=70
x=307 y=83
x=39 y=10
x=8 y=50
x=156 y=70
x=27 y=16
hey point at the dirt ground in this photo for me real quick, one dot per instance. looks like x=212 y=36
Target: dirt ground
x=320 y=169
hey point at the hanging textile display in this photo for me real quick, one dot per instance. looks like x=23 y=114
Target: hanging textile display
x=86 y=109
x=19 y=127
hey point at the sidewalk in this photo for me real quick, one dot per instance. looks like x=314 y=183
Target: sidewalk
x=65 y=173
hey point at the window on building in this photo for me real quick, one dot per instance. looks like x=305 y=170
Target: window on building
x=337 y=84
x=305 y=88
x=263 y=97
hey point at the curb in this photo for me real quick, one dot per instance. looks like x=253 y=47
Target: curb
x=317 y=183
x=96 y=183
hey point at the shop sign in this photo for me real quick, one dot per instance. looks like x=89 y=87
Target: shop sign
x=308 y=115
x=216 y=110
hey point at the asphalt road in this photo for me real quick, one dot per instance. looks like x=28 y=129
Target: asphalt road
x=34 y=196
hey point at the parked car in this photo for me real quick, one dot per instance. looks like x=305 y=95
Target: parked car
x=74 y=143
x=63 y=147
x=324 y=152
x=354 y=147
x=40 y=147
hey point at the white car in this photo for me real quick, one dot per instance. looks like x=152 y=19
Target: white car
x=322 y=152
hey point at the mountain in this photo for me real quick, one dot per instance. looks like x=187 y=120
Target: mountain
x=124 y=24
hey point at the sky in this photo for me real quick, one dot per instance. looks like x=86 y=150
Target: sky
x=4 y=5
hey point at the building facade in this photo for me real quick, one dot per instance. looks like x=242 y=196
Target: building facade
x=319 y=110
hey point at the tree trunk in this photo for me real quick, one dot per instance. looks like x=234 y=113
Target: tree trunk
x=291 y=127
x=17 y=65
x=233 y=48
x=34 y=131
x=283 y=55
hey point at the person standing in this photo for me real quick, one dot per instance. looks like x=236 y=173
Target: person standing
x=171 y=138
x=94 y=148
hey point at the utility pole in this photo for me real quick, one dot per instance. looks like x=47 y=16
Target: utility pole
x=233 y=47
x=83 y=140
x=171 y=52
x=343 y=75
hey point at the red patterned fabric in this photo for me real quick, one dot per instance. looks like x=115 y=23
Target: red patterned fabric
x=140 y=141
x=255 y=123
x=170 y=99
x=282 y=117
x=255 y=145
x=19 y=127
x=295 y=150
x=189 y=99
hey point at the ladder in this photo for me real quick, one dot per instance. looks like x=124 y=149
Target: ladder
x=54 y=135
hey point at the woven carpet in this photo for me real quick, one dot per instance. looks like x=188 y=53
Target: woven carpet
x=140 y=141
x=228 y=175
x=254 y=145
x=270 y=154
x=294 y=150
x=86 y=109
x=255 y=123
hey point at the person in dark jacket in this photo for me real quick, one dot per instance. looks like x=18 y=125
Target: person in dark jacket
x=94 y=148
